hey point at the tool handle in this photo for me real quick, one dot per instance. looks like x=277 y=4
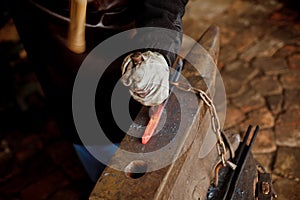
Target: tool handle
x=76 y=34
x=241 y=159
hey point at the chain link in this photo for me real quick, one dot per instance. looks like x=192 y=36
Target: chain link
x=215 y=122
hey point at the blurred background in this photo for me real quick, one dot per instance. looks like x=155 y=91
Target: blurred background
x=260 y=65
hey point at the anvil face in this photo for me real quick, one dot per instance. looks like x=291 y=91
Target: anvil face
x=178 y=138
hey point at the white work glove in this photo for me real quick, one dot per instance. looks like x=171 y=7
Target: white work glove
x=147 y=76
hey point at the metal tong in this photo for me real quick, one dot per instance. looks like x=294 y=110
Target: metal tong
x=240 y=160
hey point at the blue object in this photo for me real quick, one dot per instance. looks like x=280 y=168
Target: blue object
x=92 y=165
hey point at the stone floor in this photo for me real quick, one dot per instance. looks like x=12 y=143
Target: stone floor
x=260 y=65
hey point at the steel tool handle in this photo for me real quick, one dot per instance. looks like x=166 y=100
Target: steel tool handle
x=240 y=159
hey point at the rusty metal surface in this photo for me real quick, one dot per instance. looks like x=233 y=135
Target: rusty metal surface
x=166 y=183
x=245 y=186
x=240 y=183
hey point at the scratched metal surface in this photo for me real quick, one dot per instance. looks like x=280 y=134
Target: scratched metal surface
x=159 y=184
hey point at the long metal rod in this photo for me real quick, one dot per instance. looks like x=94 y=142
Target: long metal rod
x=241 y=158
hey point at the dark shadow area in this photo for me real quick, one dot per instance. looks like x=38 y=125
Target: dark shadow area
x=36 y=161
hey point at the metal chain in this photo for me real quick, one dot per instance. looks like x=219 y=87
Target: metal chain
x=215 y=122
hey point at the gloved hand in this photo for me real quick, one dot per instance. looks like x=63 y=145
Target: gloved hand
x=147 y=76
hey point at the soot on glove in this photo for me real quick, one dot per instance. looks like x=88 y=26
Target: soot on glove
x=147 y=77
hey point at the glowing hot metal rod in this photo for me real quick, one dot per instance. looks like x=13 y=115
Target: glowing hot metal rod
x=158 y=110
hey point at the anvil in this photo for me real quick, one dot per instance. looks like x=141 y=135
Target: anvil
x=184 y=125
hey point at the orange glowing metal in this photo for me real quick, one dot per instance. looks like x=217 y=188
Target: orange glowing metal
x=152 y=124
x=158 y=110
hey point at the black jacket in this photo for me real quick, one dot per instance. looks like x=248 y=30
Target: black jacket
x=43 y=24
x=165 y=14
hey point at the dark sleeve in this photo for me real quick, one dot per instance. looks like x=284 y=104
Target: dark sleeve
x=163 y=14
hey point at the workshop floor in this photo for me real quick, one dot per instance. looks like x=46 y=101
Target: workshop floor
x=260 y=65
